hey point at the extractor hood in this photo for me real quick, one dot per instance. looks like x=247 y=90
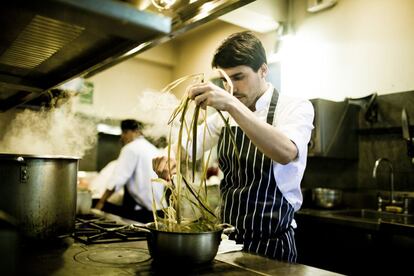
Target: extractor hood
x=184 y=19
x=46 y=43
x=335 y=132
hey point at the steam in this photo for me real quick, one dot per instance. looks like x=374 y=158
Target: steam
x=58 y=131
x=154 y=110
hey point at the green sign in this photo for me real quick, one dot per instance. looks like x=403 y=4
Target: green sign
x=86 y=93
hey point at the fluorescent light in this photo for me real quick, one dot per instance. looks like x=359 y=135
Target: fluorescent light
x=108 y=129
x=260 y=24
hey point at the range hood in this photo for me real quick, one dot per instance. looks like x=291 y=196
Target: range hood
x=185 y=18
x=46 y=43
x=335 y=132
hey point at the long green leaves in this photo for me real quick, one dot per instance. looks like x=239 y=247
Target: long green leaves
x=194 y=145
x=176 y=213
x=232 y=138
x=202 y=204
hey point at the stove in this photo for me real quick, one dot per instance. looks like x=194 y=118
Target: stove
x=103 y=244
x=93 y=228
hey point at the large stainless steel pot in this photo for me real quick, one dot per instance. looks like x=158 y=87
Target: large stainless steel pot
x=40 y=192
x=9 y=240
x=183 y=247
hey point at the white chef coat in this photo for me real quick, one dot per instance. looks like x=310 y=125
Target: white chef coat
x=100 y=182
x=294 y=117
x=134 y=169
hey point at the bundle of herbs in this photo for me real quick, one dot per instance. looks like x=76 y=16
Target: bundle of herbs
x=186 y=191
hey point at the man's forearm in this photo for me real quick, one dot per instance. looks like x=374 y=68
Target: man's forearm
x=267 y=138
x=104 y=198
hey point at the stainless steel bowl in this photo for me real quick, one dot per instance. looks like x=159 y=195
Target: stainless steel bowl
x=326 y=198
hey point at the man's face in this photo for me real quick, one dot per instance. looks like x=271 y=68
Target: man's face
x=128 y=136
x=247 y=84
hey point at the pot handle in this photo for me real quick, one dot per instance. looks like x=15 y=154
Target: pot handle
x=23 y=167
x=19 y=159
x=227 y=228
x=140 y=228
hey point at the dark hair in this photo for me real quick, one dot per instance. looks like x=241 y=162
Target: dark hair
x=131 y=124
x=242 y=48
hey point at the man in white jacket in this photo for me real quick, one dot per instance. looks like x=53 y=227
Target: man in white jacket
x=263 y=157
x=134 y=172
x=98 y=187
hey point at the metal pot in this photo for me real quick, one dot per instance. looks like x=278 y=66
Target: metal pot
x=83 y=202
x=327 y=198
x=9 y=239
x=40 y=192
x=182 y=247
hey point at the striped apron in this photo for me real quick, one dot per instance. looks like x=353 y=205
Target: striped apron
x=251 y=199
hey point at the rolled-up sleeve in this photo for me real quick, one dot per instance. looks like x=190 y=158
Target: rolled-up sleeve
x=297 y=123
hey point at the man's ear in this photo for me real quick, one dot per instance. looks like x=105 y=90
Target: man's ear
x=263 y=70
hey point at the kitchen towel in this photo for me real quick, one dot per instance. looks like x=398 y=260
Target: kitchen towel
x=227 y=245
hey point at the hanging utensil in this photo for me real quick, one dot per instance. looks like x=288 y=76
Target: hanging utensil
x=405 y=123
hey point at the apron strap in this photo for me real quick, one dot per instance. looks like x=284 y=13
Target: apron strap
x=272 y=107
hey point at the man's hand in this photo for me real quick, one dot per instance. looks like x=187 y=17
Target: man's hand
x=103 y=199
x=99 y=205
x=209 y=94
x=160 y=166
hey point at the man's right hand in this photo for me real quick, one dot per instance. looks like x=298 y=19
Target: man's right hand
x=160 y=166
x=99 y=205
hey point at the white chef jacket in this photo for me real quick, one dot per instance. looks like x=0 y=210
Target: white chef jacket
x=100 y=182
x=294 y=117
x=134 y=169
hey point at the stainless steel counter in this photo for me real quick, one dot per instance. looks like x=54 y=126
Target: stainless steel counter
x=132 y=258
x=72 y=257
x=364 y=219
x=355 y=241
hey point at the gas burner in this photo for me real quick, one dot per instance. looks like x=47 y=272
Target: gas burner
x=94 y=229
x=113 y=256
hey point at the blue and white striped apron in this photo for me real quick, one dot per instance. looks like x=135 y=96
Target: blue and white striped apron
x=251 y=200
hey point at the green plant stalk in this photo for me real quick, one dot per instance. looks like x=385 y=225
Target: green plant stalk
x=226 y=122
x=176 y=111
x=174 y=219
x=169 y=153
x=179 y=176
x=232 y=138
x=187 y=145
x=194 y=147
x=172 y=85
x=175 y=203
x=204 y=180
x=198 y=199
x=154 y=208
x=205 y=166
x=192 y=203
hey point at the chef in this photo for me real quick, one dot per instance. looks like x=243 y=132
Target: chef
x=134 y=171
x=260 y=190
x=98 y=187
